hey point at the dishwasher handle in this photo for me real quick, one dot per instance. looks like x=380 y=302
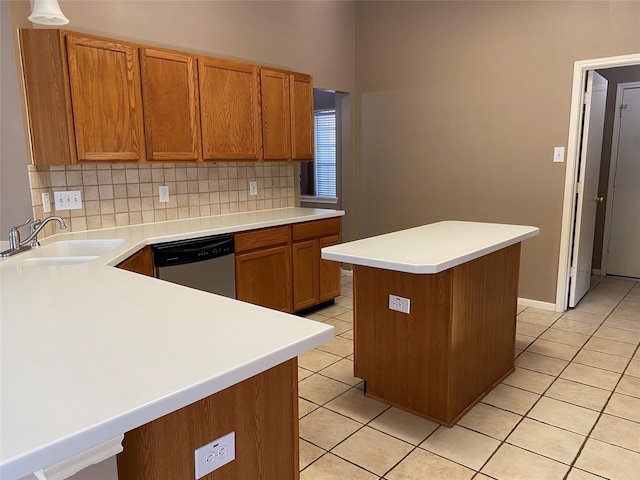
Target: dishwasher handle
x=192 y=250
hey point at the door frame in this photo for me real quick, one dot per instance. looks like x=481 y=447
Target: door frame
x=612 y=170
x=580 y=69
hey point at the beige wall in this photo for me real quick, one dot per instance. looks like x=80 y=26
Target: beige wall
x=291 y=35
x=15 y=201
x=460 y=105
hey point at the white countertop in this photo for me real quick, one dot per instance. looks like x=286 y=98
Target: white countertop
x=430 y=248
x=89 y=352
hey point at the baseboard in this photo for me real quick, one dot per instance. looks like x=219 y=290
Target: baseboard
x=527 y=302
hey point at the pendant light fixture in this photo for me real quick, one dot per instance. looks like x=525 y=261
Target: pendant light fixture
x=47 y=12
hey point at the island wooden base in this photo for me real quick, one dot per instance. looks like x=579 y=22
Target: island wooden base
x=452 y=349
x=263 y=412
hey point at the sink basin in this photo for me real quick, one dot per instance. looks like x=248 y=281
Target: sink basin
x=43 y=261
x=77 y=248
x=64 y=252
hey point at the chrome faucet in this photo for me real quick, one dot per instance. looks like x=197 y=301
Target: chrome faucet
x=16 y=245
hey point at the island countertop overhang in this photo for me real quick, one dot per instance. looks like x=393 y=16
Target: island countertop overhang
x=430 y=248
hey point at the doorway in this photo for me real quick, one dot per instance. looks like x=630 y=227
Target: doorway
x=572 y=201
x=620 y=253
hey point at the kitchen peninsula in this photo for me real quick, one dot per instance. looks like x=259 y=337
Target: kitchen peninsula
x=90 y=352
x=435 y=313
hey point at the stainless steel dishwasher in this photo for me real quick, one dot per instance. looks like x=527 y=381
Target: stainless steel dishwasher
x=206 y=263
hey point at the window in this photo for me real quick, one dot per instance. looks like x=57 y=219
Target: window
x=325 y=163
x=318 y=178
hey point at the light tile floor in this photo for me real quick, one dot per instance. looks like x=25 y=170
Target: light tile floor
x=571 y=409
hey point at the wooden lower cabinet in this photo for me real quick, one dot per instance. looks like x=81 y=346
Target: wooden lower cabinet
x=263 y=268
x=263 y=413
x=306 y=268
x=314 y=280
x=456 y=344
x=329 y=272
x=281 y=268
x=140 y=262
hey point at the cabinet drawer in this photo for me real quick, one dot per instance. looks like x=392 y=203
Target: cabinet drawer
x=315 y=229
x=267 y=237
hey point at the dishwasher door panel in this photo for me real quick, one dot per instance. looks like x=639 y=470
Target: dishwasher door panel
x=216 y=275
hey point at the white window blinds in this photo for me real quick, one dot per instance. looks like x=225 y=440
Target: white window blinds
x=325 y=161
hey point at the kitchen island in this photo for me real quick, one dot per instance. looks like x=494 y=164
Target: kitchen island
x=90 y=352
x=435 y=313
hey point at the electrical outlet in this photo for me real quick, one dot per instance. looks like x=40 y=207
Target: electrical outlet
x=163 y=191
x=46 y=202
x=71 y=200
x=213 y=455
x=399 y=304
x=253 y=187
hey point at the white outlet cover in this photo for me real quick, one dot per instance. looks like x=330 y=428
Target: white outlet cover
x=46 y=202
x=68 y=200
x=163 y=191
x=215 y=454
x=399 y=304
x=253 y=187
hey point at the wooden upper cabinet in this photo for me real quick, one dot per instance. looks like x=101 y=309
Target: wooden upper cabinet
x=302 y=137
x=44 y=69
x=287 y=115
x=171 y=105
x=276 y=117
x=95 y=99
x=230 y=110
x=104 y=79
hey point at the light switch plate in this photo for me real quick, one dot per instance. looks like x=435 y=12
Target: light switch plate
x=215 y=454
x=558 y=154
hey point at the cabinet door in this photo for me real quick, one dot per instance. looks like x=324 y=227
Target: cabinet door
x=44 y=68
x=171 y=105
x=305 y=274
x=263 y=277
x=140 y=262
x=302 y=144
x=229 y=110
x=276 y=119
x=329 y=272
x=104 y=78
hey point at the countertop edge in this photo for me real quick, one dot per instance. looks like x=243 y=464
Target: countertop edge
x=333 y=253
x=49 y=454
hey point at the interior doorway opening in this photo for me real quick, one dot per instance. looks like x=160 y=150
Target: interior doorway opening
x=573 y=197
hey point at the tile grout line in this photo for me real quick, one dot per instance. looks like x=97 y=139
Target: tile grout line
x=502 y=442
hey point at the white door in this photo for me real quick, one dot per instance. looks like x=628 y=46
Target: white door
x=623 y=206
x=587 y=186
